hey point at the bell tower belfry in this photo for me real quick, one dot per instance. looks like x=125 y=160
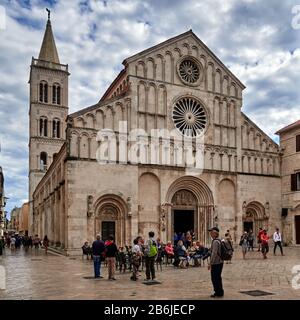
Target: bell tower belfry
x=48 y=110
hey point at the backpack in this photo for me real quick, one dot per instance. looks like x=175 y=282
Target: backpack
x=153 y=249
x=226 y=251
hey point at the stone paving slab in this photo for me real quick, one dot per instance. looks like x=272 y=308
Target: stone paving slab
x=31 y=276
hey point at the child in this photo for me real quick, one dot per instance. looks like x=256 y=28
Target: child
x=136 y=259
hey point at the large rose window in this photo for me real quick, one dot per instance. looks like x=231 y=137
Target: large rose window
x=189 y=117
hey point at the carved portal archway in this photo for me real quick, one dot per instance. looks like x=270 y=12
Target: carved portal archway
x=111 y=210
x=191 y=193
x=255 y=214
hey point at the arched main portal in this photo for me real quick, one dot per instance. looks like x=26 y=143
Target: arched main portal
x=254 y=217
x=191 y=204
x=110 y=213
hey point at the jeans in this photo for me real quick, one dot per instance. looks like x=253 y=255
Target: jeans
x=216 y=278
x=150 y=270
x=278 y=243
x=97 y=266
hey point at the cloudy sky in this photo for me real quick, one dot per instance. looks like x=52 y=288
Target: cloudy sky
x=258 y=40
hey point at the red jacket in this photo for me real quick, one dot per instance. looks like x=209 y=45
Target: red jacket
x=264 y=238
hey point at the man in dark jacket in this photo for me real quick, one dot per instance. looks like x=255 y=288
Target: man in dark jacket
x=110 y=252
x=98 y=249
x=216 y=263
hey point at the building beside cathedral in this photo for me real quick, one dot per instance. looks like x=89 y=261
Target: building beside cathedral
x=104 y=169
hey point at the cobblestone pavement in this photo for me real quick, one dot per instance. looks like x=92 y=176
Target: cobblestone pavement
x=40 y=276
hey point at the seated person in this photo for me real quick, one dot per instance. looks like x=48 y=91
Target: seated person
x=199 y=254
x=169 y=249
x=192 y=251
x=182 y=254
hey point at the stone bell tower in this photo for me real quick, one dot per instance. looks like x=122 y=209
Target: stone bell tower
x=48 y=110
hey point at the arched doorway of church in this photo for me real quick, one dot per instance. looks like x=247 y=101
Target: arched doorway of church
x=190 y=207
x=254 y=217
x=110 y=219
x=184 y=217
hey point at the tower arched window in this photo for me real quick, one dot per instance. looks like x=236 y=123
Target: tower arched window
x=56 y=93
x=56 y=128
x=43 y=161
x=43 y=127
x=44 y=91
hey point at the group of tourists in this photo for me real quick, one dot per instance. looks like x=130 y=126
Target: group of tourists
x=108 y=251
x=15 y=242
x=144 y=253
x=247 y=242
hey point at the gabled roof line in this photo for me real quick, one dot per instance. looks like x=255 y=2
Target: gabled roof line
x=129 y=59
x=258 y=128
x=182 y=35
x=112 y=84
x=289 y=127
x=95 y=106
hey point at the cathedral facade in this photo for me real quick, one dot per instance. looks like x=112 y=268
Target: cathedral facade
x=167 y=148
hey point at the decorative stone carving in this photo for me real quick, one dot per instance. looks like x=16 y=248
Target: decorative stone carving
x=267 y=210
x=244 y=209
x=129 y=206
x=109 y=212
x=163 y=220
x=90 y=211
x=184 y=198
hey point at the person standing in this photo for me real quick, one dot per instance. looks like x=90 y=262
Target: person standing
x=264 y=244
x=260 y=232
x=13 y=243
x=216 y=263
x=244 y=243
x=26 y=243
x=2 y=244
x=229 y=244
x=250 y=240
x=277 y=241
x=30 y=241
x=46 y=244
x=188 y=240
x=36 y=243
x=111 y=252
x=98 y=249
x=136 y=259
x=150 y=255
